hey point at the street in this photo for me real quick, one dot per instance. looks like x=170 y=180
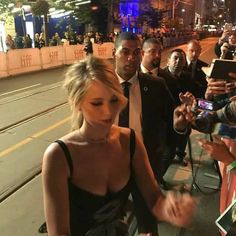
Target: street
x=34 y=113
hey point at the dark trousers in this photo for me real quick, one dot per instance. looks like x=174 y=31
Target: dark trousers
x=181 y=143
x=147 y=223
x=163 y=162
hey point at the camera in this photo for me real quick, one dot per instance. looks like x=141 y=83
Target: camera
x=205 y=104
x=206 y=117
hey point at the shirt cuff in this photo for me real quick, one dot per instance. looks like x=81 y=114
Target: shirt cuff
x=182 y=132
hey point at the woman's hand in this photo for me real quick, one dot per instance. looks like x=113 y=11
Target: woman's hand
x=224 y=35
x=215 y=88
x=217 y=149
x=179 y=208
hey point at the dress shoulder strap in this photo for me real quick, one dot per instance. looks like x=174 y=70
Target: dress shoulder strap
x=67 y=155
x=132 y=143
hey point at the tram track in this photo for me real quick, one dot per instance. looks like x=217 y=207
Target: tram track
x=36 y=170
x=13 y=189
x=31 y=117
x=30 y=93
x=7 y=192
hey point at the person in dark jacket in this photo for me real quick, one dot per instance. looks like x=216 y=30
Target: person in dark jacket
x=194 y=67
x=27 y=41
x=225 y=48
x=151 y=57
x=150 y=112
x=18 y=41
x=178 y=81
x=88 y=46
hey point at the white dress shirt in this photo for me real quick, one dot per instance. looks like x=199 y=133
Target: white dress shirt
x=189 y=62
x=135 y=105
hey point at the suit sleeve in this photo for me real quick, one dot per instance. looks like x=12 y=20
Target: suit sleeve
x=217 y=49
x=169 y=106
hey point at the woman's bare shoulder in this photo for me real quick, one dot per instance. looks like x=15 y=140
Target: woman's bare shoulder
x=54 y=152
x=121 y=132
x=54 y=148
x=54 y=161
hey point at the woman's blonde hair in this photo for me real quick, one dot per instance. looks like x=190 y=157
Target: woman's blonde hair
x=78 y=78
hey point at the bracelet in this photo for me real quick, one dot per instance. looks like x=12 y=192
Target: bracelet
x=231 y=166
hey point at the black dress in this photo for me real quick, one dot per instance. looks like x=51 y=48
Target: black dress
x=95 y=215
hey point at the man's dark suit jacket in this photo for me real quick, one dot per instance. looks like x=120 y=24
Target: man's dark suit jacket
x=199 y=78
x=157 y=132
x=156 y=118
x=177 y=85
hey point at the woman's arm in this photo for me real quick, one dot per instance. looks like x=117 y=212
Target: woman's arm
x=217 y=150
x=55 y=173
x=176 y=209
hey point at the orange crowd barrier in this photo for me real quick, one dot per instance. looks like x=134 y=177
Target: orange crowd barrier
x=74 y=53
x=3 y=65
x=20 y=61
x=52 y=56
x=104 y=50
x=23 y=60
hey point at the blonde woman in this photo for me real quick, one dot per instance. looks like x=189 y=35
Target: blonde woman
x=88 y=173
x=10 y=44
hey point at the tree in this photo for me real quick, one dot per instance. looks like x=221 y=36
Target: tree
x=4 y=6
x=149 y=16
x=41 y=7
x=98 y=14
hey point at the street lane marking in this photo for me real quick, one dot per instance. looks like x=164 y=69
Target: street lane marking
x=27 y=140
x=14 y=147
x=17 y=90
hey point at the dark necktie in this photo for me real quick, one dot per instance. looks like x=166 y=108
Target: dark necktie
x=150 y=73
x=124 y=114
x=190 y=69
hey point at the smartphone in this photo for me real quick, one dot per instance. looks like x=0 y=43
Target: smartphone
x=226 y=221
x=220 y=69
x=205 y=104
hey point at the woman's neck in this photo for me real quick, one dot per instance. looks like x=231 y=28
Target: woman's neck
x=91 y=135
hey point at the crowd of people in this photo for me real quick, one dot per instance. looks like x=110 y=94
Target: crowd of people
x=221 y=144
x=130 y=122
x=70 y=37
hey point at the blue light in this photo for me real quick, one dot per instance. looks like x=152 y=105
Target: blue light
x=129 y=11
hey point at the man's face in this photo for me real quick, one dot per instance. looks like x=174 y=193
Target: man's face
x=151 y=56
x=193 y=51
x=176 y=62
x=232 y=39
x=128 y=58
